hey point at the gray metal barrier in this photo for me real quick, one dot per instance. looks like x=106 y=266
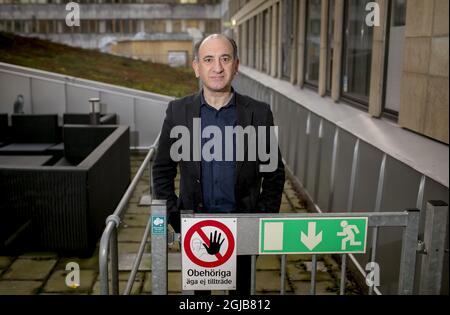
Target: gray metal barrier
x=108 y=243
x=248 y=234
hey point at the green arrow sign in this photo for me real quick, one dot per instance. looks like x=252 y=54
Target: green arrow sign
x=313 y=235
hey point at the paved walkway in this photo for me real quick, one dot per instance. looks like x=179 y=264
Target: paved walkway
x=44 y=273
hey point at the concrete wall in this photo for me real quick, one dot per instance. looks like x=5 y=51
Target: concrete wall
x=50 y=93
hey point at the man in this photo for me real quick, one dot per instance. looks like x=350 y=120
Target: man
x=223 y=185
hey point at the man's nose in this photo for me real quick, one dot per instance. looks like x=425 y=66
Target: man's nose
x=218 y=66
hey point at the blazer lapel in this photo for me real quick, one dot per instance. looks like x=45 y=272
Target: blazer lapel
x=244 y=118
x=193 y=111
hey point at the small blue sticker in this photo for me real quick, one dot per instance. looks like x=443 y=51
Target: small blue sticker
x=159 y=225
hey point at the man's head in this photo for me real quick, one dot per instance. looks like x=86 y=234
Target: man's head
x=216 y=62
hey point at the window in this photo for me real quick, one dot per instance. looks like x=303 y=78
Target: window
x=357 y=53
x=287 y=37
x=398 y=13
x=266 y=41
x=330 y=49
x=312 y=45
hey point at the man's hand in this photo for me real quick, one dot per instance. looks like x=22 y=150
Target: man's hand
x=214 y=245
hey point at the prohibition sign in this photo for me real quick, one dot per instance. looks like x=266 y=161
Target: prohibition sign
x=198 y=228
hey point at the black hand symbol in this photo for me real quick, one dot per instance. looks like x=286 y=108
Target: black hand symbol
x=214 y=245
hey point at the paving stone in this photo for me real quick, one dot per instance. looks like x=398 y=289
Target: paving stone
x=322 y=288
x=284 y=200
x=135 y=290
x=320 y=266
x=19 y=287
x=130 y=234
x=298 y=257
x=125 y=275
x=330 y=263
x=131 y=247
x=39 y=255
x=5 y=261
x=286 y=208
x=57 y=282
x=296 y=274
x=29 y=269
x=135 y=220
x=134 y=208
x=84 y=263
x=269 y=281
x=268 y=262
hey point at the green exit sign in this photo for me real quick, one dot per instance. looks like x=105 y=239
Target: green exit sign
x=313 y=235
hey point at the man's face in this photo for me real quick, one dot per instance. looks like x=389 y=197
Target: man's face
x=216 y=65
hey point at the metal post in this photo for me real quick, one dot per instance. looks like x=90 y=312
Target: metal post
x=283 y=275
x=377 y=209
x=313 y=275
x=408 y=255
x=253 y=276
x=114 y=260
x=436 y=221
x=159 y=249
x=305 y=165
x=94 y=110
x=343 y=274
x=319 y=158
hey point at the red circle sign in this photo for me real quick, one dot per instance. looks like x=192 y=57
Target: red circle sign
x=198 y=228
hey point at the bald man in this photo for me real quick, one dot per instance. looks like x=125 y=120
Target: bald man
x=217 y=175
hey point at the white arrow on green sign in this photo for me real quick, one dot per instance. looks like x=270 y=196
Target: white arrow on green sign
x=313 y=235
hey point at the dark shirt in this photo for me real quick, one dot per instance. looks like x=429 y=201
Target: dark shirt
x=218 y=176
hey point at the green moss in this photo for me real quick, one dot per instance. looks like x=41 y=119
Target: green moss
x=93 y=65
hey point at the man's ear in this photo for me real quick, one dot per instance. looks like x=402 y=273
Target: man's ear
x=195 y=67
x=236 y=67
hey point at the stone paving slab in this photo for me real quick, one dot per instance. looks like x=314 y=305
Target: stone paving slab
x=135 y=220
x=29 y=269
x=134 y=208
x=5 y=261
x=322 y=288
x=84 y=263
x=294 y=274
x=269 y=281
x=57 y=282
x=39 y=255
x=130 y=234
x=131 y=247
x=19 y=287
x=135 y=290
x=268 y=262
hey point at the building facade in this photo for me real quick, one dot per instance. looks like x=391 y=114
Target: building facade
x=359 y=92
x=103 y=22
x=398 y=69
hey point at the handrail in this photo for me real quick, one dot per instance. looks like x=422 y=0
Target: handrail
x=109 y=236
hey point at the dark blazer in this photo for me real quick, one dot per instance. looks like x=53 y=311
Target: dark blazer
x=255 y=191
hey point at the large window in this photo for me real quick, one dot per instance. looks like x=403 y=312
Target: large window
x=330 y=49
x=357 y=54
x=312 y=54
x=266 y=41
x=287 y=37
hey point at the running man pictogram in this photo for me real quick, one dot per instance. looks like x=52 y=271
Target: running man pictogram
x=349 y=232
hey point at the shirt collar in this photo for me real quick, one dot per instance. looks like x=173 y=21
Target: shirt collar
x=231 y=103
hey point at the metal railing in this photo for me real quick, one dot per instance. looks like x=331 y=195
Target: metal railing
x=108 y=242
x=248 y=244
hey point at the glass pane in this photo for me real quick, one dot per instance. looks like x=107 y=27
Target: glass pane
x=330 y=44
x=357 y=55
x=287 y=37
x=312 y=54
x=398 y=12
